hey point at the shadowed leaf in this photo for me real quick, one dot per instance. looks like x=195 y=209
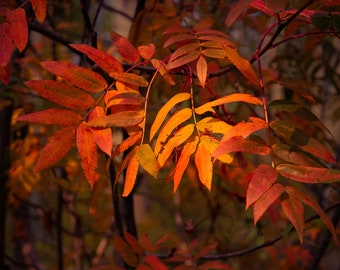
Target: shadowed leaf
x=18 y=29
x=202 y=68
x=125 y=48
x=39 y=7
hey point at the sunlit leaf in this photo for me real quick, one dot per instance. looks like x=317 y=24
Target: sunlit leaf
x=294 y=210
x=18 y=29
x=312 y=175
x=211 y=143
x=122 y=119
x=204 y=165
x=184 y=59
x=102 y=136
x=173 y=122
x=239 y=144
x=105 y=61
x=130 y=78
x=263 y=178
x=81 y=77
x=62 y=94
x=266 y=200
x=146 y=51
x=241 y=64
x=87 y=152
x=313 y=204
x=123 y=98
x=125 y=48
x=127 y=143
x=188 y=149
x=131 y=174
x=162 y=113
x=147 y=160
x=56 y=148
x=39 y=7
x=52 y=117
x=236 y=11
x=213 y=125
x=202 y=68
x=179 y=137
x=236 y=97
x=244 y=129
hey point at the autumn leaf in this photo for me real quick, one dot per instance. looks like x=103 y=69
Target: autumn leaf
x=147 y=160
x=102 y=136
x=122 y=119
x=125 y=48
x=81 y=77
x=127 y=143
x=236 y=11
x=6 y=45
x=4 y=71
x=177 y=38
x=188 y=149
x=214 y=53
x=213 y=125
x=105 y=61
x=56 y=148
x=134 y=244
x=160 y=66
x=129 y=78
x=52 y=117
x=202 y=69
x=155 y=262
x=204 y=165
x=62 y=94
x=87 y=152
x=294 y=210
x=18 y=29
x=244 y=129
x=185 y=49
x=184 y=59
x=39 y=7
x=146 y=51
x=125 y=251
x=131 y=174
x=162 y=113
x=267 y=199
x=263 y=178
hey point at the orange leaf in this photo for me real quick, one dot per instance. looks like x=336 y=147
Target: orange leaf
x=173 y=122
x=184 y=59
x=52 y=117
x=6 y=45
x=313 y=204
x=56 y=148
x=122 y=119
x=188 y=149
x=267 y=199
x=241 y=64
x=87 y=152
x=185 y=49
x=62 y=94
x=18 y=29
x=102 y=136
x=238 y=144
x=162 y=113
x=125 y=48
x=177 y=38
x=202 y=68
x=294 y=210
x=244 y=129
x=129 y=78
x=160 y=66
x=81 y=77
x=146 y=51
x=236 y=11
x=179 y=137
x=214 y=53
x=123 y=98
x=211 y=143
x=263 y=178
x=131 y=174
x=147 y=160
x=39 y=7
x=204 y=165
x=236 y=97
x=105 y=61
x=312 y=175
x=126 y=161
x=127 y=143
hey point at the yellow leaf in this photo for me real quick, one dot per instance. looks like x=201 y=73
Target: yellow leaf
x=211 y=143
x=204 y=165
x=147 y=160
x=202 y=69
x=131 y=174
x=173 y=122
x=164 y=111
x=213 y=125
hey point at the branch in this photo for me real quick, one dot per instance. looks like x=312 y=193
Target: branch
x=84 y=7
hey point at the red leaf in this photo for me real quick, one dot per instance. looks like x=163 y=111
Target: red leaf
x=81 y=77
x=155 y=262
x=18 y=29
x=39 y=7
x=134 y=244
x=56 y=148
x=6 y=45
x=5 y=72
x=122 y=119
x=147 y=51
x=263 y=178
x=125 y=251
x=102 y=136
x=202 y=68
x=259 y=5
x=267 y=199
x=130 y=78
x=105 y=61
x=294 y=210
x=62 y=94
x=52 y=117
x=236 y=11
x=125 y=48
x=87 y=152
x=276 y=6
